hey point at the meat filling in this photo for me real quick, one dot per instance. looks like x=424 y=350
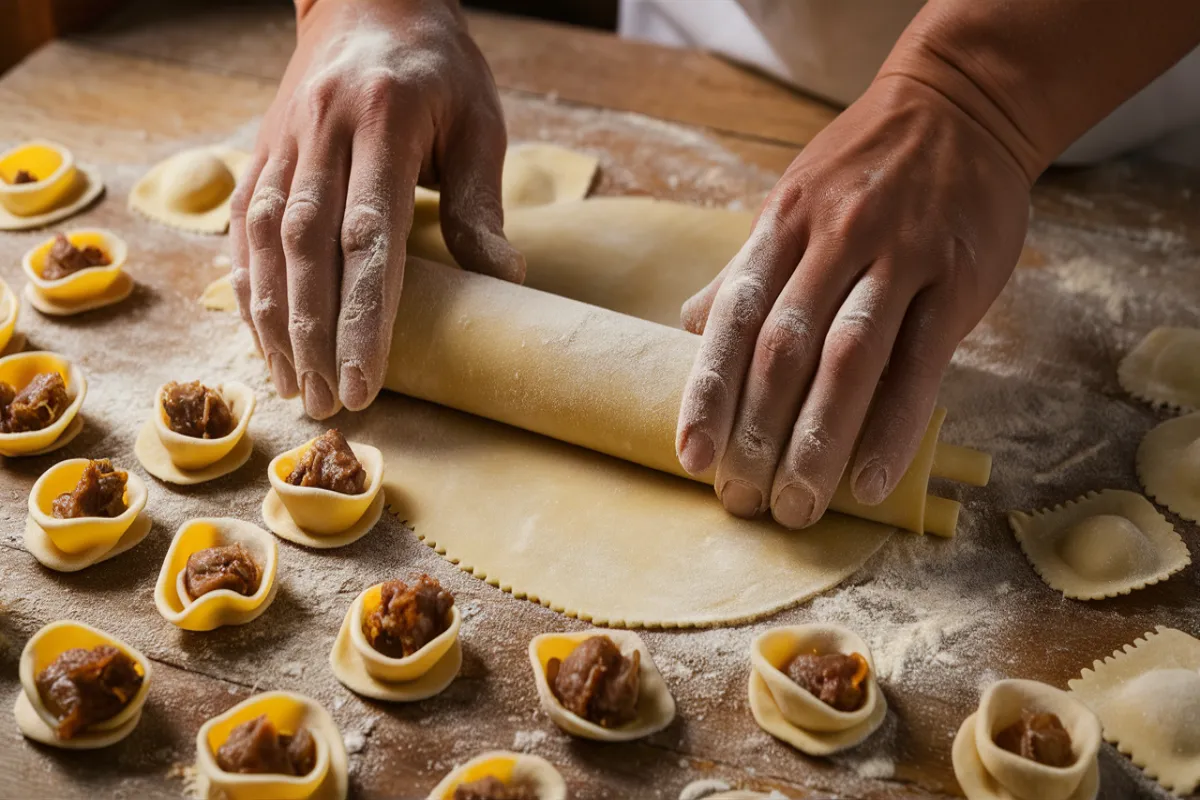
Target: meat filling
x=99 y=493
x=329 y=463
x=195 y=410
x=492 y=788
x=226 y=567
x=37 y=406
x=835 y=679
x=408 y=617
x=1038 y=737
x=83 y=687
x=24 y=176
x=67 y=259
x=256 y=747
x=597 y=682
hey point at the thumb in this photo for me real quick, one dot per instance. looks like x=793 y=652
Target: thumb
x=471 y=215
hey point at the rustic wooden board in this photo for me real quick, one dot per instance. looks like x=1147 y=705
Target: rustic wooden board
x=1111 y=253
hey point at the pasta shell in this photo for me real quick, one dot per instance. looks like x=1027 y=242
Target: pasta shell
x=223 y=606
x=18 y=370
x=655 y=707
x=320 y=511
x=81 y=285
x=35 y=720
x=526 y=770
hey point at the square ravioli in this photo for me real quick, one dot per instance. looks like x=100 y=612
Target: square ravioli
x=1168 y=465
x=1147 y=696
x=1101 y=545
x=1164 y=369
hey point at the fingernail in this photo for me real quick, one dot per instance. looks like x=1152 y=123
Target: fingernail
x=740 y=498
x=794 y=506
x=355 y=393
x=697 y=452
x=283 y=375
x=318 y=399
x=871 y=483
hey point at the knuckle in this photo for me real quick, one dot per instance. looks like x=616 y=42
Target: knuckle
x=307 y=329
x=363 y=229
x=786 y=337
x=855 y=334
x=809 y=445
x=746 y=303
x=267 y=312
x=707 y=391
x=264 y=217
x=298 y=224
x=320 y=98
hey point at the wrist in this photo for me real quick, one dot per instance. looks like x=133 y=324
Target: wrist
x=971 y=86
x=305 y=8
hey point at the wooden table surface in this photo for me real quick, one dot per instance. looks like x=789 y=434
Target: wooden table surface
x=673 y=124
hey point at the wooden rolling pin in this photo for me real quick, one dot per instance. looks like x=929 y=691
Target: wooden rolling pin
x=597 y=379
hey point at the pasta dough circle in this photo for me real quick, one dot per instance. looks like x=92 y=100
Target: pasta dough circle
x=1164 y=368
x=531 y=771
x=40 y=546
x=223 y=606
x=1101 y=545
x=789 y=712
x=655 y=706
x=1135 y=693
x=279 y=522
x=36 y=722
x=1168 y=464
x=115 y=292
x=191 y=190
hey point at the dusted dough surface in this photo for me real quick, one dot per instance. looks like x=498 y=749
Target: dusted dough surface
x=1101 y=545
x=1168 y=464
x=1147 y=696
x=191 y=190
x=1164 y=369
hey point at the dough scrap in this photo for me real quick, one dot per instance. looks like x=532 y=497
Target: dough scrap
x=1168 y=464
x=1147 y=696
x=789 y=712
x=985 y=771
x=219 y=295
x=1101 y=545
x=655 y=706
x=329 y=779
x=527 y=770
x=88 y=186
x=1164 y=369
x=36 y=722
x=191 y=190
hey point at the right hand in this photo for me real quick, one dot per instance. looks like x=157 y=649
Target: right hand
x=380 y=95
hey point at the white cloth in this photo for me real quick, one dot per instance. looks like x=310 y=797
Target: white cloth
x=833 y=48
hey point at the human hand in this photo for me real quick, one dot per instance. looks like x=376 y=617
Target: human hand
x=379 y=95
x=883 y=245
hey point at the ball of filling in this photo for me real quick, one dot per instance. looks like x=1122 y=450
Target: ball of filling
x=37 y=406
x=195 y=410
x=228 y=566
x=329 y=463
x=492 y=788
x=835 y=679
x=1039 y=737
x=256 y=747
x=100 y=492
x=597 y=682
x=66 y=259
x=82 y=687
x=408 y=617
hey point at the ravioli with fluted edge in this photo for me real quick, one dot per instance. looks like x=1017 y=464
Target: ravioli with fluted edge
x=814 y=687
x=1028 y=741
x=1168 y=465
x=81 y=688
x=1164 y=369
x=600 y=684
x=399 y=641
x=217 y=572
x=272 y=745
x=1147 y=696
x=191 y=190
x=1101 y=545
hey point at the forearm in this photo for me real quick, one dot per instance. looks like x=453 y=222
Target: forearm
x=303 y=7
x=1037 y=74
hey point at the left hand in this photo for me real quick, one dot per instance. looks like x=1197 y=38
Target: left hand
x=883 y=245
